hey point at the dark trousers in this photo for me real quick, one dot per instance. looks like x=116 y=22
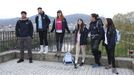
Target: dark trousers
x=110 y=55
x=95 y=50
x=59 y=41
x=43 y=38
x=25 y=43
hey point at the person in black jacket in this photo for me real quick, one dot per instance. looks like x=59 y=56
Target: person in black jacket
x=96 y=30
x=81 y=34
x=59 y=25
x=24 y=33
x=42 y=25
x=110 y=43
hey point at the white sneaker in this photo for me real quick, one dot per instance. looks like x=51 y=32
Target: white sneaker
x=46 y=50
x=41 y=49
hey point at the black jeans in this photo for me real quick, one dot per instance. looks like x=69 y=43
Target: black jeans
x=95 y=50
x=59 y=41
x=43 y=38
x=110 y=55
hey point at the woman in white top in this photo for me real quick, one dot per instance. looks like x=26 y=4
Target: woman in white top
x=110 y=43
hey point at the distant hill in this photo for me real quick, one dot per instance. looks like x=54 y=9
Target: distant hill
x=12 y=21
x=74 y=17
x=71 y=19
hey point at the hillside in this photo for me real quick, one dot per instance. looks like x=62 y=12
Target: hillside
x=12 y=21
x=70 y=18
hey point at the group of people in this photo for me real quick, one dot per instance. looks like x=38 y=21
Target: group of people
x=99 y=31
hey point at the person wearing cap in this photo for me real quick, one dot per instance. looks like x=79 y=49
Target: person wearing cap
x=42 y=25
x=59 y=25
x=24 y=33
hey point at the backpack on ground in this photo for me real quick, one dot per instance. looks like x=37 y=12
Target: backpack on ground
x=68 y=58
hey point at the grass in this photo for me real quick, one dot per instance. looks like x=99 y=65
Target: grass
x=120 y=51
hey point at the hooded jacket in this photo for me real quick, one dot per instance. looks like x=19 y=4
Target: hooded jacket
x=45 y=22
x=96 y=28
x=24 y=28
x=111 y=37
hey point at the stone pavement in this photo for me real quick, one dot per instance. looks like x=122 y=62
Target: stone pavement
x=53 y=68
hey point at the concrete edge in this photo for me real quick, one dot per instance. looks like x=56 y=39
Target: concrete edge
x=121 y=62
x=6 y=56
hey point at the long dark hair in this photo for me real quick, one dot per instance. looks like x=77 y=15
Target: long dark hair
x=110 y=23
x=78 y=26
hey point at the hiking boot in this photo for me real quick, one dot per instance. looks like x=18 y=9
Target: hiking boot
x=30 y=61
x=81 y=64
x=75 y=66
x=95 y=66
x=20 y=60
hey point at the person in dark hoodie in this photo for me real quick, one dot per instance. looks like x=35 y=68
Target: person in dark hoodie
x=24 y=33
x=81 y=34
x=59 y=25
x=42 y=25
x=96 y=30
x=110 y=43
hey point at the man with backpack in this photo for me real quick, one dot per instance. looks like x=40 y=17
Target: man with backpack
x=42 y=25
x=97 y=32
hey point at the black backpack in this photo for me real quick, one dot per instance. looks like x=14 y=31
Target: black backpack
x=102 y=29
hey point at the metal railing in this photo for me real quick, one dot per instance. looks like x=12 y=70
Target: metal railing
x=8 y=41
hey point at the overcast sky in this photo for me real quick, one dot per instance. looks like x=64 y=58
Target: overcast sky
x=106 y=8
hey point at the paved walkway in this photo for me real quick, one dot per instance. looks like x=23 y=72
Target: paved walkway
x=53 y=68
